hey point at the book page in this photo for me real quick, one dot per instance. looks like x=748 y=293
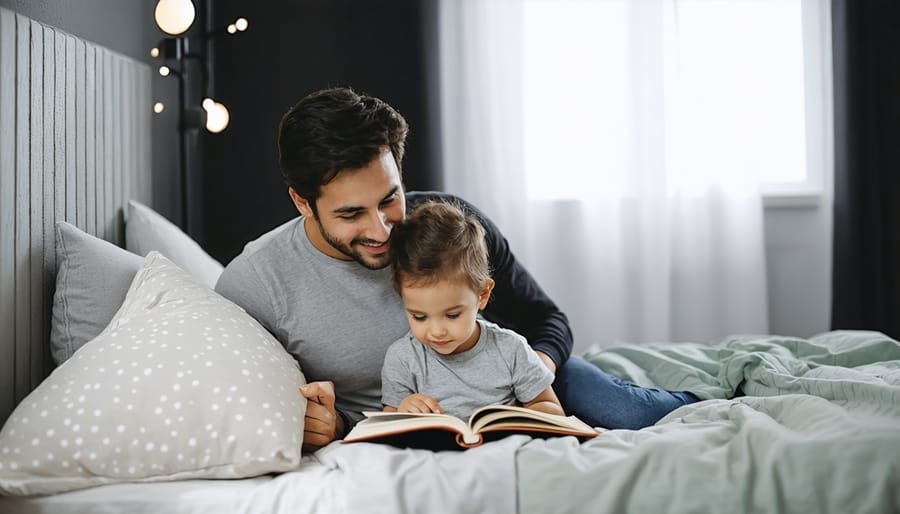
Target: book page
x=509 y=415
x=381 y=423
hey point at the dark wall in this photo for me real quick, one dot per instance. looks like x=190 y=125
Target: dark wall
x=386 y=48
x=126 y=27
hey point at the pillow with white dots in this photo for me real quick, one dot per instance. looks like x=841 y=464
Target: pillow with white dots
x=181 y=384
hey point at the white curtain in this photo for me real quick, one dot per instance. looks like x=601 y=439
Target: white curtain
x=624 y=174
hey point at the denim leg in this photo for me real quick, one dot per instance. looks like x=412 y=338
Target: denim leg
x=600 y=399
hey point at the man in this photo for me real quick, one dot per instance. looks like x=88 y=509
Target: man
x=321 y=285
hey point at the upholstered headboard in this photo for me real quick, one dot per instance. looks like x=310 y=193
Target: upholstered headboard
x=74 y=146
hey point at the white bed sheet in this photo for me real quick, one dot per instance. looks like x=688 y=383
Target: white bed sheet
x=339 y=478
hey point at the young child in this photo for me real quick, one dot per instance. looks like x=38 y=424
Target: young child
x=451 y=361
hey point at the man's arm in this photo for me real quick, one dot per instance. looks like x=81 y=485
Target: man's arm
x=548 y=362
x=517 y=301
x=546 y=402
x=520 y=304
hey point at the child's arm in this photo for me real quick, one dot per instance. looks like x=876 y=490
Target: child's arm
x=546 y=402
x=397 y=380
x=418 y=402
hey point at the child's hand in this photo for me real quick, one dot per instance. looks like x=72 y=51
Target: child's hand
x=421 y=403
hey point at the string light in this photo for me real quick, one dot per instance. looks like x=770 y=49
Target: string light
x=174 y=16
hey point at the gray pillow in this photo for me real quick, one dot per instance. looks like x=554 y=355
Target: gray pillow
x=92 y=279
x=146 y=230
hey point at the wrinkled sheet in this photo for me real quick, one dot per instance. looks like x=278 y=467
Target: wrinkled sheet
x=340 y=478
x=815 y=428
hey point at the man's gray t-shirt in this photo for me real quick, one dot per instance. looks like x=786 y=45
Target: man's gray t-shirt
x=327 y=312
x=500 y=369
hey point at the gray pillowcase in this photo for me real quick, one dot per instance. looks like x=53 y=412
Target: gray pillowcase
x=146 y=231
x=92 y=279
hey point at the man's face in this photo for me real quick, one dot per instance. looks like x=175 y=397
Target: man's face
x=356 y=212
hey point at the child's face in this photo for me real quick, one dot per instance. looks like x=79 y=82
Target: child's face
x=442 y=315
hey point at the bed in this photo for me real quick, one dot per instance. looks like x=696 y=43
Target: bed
x=115 y=301
x=813 y=426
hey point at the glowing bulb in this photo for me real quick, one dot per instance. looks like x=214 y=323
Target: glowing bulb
x=174 y=16
x=154 y=52
x=216 y=116
x=164 y=71
x=241 y=24
x=231 y=28
x=158 y=107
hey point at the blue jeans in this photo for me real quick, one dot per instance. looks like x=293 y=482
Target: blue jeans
x=602 y=400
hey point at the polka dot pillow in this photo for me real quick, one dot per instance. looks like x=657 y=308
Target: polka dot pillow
x=181 y=384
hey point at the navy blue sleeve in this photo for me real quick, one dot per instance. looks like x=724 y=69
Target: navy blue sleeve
x=517 y=302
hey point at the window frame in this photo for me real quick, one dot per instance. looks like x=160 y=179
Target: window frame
x=819 y=109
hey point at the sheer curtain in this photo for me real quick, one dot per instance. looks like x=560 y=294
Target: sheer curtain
x=620 y=146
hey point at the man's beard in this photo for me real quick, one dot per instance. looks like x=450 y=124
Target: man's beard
x=349 y=250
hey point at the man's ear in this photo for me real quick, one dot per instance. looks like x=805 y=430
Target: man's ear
x=300 y=203
x=485 y=294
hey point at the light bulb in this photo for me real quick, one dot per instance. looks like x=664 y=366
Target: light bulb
x=174 y=16
x=231 y=28
x=216 y=116
x=154 y=52
x=241 y=24
x=164 y=71
x=158 y=107
x=207 y=103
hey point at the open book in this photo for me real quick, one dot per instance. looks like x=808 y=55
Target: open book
x=492 y=420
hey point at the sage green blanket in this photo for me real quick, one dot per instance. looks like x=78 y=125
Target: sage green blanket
x=813 y=426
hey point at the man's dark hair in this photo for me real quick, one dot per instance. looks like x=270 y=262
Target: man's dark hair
x=333 y=130
x=439 y=241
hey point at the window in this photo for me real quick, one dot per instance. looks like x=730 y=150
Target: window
x=725 y=93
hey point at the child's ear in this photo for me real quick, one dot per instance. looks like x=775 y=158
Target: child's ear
x=485 y=294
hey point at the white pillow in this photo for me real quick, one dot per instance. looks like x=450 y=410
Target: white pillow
x=181 y=384
x=146 y=230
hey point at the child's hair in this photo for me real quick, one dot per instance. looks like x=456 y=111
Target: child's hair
x=439 y=241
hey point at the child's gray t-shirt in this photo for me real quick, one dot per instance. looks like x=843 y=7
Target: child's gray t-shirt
x=500 y=369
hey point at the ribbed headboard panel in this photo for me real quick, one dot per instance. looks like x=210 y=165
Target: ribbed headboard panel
x=74 y=146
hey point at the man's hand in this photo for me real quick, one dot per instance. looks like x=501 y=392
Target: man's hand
x=321 y=424
x=421 y=403
x=547 y=361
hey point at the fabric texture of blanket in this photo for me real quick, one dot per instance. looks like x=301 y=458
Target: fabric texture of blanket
x=813 y=426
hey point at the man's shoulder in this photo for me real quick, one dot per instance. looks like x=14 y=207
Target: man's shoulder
x=259 y=255
x=415 y=198
x=273 y=240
